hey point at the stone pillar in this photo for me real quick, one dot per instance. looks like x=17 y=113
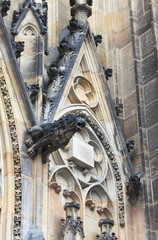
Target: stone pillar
x=72 y=228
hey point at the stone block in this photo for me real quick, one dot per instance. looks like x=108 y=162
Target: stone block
x=155 y=189
x=128 y=82
x=149 y=68
x=153 y=168
x=26 y=166
x=27 y=195
x=152 y=114
x=146 y=5
x=143 y=23
x=151 y=91
x=151 y=235
x=137 y=8
x=155 y=216
x=130 y=105
x=130 y=126
x=153 y=139
x=127 y=57
x=147 y=43
x=81 y=153
x=123 y=38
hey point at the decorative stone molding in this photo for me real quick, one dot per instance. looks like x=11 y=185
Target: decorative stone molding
x=16 y=155
x=73 y=225
x=116 y=171
x=4 y=7
x=51 y=136
x=82 y=91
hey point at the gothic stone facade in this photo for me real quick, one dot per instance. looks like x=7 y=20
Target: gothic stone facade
x=78 y=121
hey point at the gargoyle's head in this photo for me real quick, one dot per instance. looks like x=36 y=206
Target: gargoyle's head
x=78 y=122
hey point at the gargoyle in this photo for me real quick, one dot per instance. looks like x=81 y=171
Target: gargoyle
x=97 y=39
x=118 y=108
x=133 y=188
x=18 y=48
x=130 y=145
x=107 y=72
x=51 y=136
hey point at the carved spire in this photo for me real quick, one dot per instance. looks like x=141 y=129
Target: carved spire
x=81 y=9
x=72 y=228
x=106 y=228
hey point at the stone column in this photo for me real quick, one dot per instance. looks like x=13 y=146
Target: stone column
x=72 y=228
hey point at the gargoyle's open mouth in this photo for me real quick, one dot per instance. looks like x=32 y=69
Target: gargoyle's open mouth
x=81 y=123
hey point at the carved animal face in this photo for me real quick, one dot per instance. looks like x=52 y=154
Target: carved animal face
x=80 y=123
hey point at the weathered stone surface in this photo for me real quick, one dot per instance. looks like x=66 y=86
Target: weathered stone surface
x=35 y=233
x=156 y=216
x=153 y=139
x=151 y=91
x=143 y=23
x=26 y=195
x=147 y=43
x=27 y=167
x=152 y=114
x=127 y=57
x=131 y=131
x=138 y=8
x=130 y=104
x=155 y=189
x=153 y=167
x=128 y=80
x=149 y=67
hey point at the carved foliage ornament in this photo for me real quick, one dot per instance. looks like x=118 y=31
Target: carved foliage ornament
x=4 y=6
x=16 y=156
x=51 y=136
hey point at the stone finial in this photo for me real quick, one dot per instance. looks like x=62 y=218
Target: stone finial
x=106 y=226
x=81 y=9
x=72 y=227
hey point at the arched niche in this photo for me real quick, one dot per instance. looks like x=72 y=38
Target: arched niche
x=29 y=34
x=98 y=205
x=64 y=187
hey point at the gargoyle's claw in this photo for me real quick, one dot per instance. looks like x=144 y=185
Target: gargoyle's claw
x=31 y=152
x=28 y=142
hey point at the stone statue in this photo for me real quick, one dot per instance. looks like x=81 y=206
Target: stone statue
x=51 y=136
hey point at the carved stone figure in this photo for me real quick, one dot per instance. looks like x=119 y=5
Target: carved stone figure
x=5 y=6
x=133 y=188
x=89 y=2
x=72 y=3
x=64 y=47
x=51 y=136
x=97 y=39
x=118 y=108
x=107 y=72
x=18 y=48
x=33 y=90
x=130 y=145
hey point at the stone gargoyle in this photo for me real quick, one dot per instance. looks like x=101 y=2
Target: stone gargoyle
x=49 y=137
